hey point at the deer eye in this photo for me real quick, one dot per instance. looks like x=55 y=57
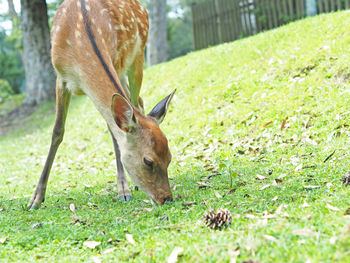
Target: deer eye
x=148 y=162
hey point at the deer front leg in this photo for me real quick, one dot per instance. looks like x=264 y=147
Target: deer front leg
x=122 y=183
x=63 y=97
x=135 y=76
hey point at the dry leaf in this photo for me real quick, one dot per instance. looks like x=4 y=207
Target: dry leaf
x=283 y=125
x=305 y=204
x=274 y=183
x=270 y=238
x=311 y=186
x=217 y=194
x=174 y=254
x=130 y=239
x=329 y=185
x=72 y=207
x=299 y=167
x=275 y=198
x=91 y=244
x=234 y=255
x=332 y=240
x=304 y=232
x=332 y=207
x=281 y=176
x=279 y=209
x=260 y=177
x=109 y=250
x=96 y=259
x=265 y=186
x=147 y=209
x=3 y=239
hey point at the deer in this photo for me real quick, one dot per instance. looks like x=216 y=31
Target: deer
x=98 y=50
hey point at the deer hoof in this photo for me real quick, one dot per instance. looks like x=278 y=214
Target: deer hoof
x=125 y=198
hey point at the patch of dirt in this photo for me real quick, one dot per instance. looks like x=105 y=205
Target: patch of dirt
x=16 y=118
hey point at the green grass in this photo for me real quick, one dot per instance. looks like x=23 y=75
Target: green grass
x=226 y=119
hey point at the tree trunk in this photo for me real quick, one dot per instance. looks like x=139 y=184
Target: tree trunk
x=157 y=40
x=40 y=76
x=12 y=10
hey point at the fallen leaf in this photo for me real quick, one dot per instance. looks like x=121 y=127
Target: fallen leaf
x=332 y=207
x=3 y=240
x=130 y=239
x=329 y=185
x=217 y=194
x=91 y=244
x=147 y=209
x=283 y=125
x=299 y=167
x=72 y=207
x=305 y=204
x=96 y=259
x=265 y=186
x=274 y=183
x=234 y=255
x=109 y=250
x=260 y=177
x=304 y=232
x=174 y=254
x=270 y=238
x=275 y=198
x=332 y=240
x=281 y=176
x=311 y=186
x=279 y=209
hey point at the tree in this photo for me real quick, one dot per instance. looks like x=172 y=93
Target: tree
x=40 y=76
x=157 y=39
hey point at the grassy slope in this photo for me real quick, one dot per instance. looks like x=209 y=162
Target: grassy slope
x=226 y=117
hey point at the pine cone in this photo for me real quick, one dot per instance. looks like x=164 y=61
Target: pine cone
x=219 y=219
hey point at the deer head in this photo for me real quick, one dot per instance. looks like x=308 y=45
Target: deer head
x=146 y=155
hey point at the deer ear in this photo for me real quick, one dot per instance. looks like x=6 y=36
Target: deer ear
x=123 y=113
x=160 y=110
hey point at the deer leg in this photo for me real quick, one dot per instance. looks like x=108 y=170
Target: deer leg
x=63 y=97
x=123 y=188
x=135 y=75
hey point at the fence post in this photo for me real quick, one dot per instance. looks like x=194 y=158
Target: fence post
x=218 y=20
x=311 y=7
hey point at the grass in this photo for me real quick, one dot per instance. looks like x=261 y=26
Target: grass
x=275 y=105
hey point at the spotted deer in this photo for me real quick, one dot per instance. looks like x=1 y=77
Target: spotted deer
x=96 y=44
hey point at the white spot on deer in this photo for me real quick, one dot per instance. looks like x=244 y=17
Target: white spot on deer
x=93 y=20
x=102 y=11
x=77 y=34
x=87 y=8
x=80 y=17
x=68 y=42
x=110 y=26
x=78 y=3
x=99 y=31
x=80 y=43
x=132 y=20
x=64 y=10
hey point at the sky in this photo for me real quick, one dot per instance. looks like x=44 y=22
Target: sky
x=4 y=9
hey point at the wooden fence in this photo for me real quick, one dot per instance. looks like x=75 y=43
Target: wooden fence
x=218 y=21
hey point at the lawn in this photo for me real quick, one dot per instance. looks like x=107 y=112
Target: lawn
x=259 y=126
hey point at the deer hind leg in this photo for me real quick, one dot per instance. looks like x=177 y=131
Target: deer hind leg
x=135 y=75
x=123 y=188
x=63 y=97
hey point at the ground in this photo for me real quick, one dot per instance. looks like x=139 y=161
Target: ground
x=259 y=126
